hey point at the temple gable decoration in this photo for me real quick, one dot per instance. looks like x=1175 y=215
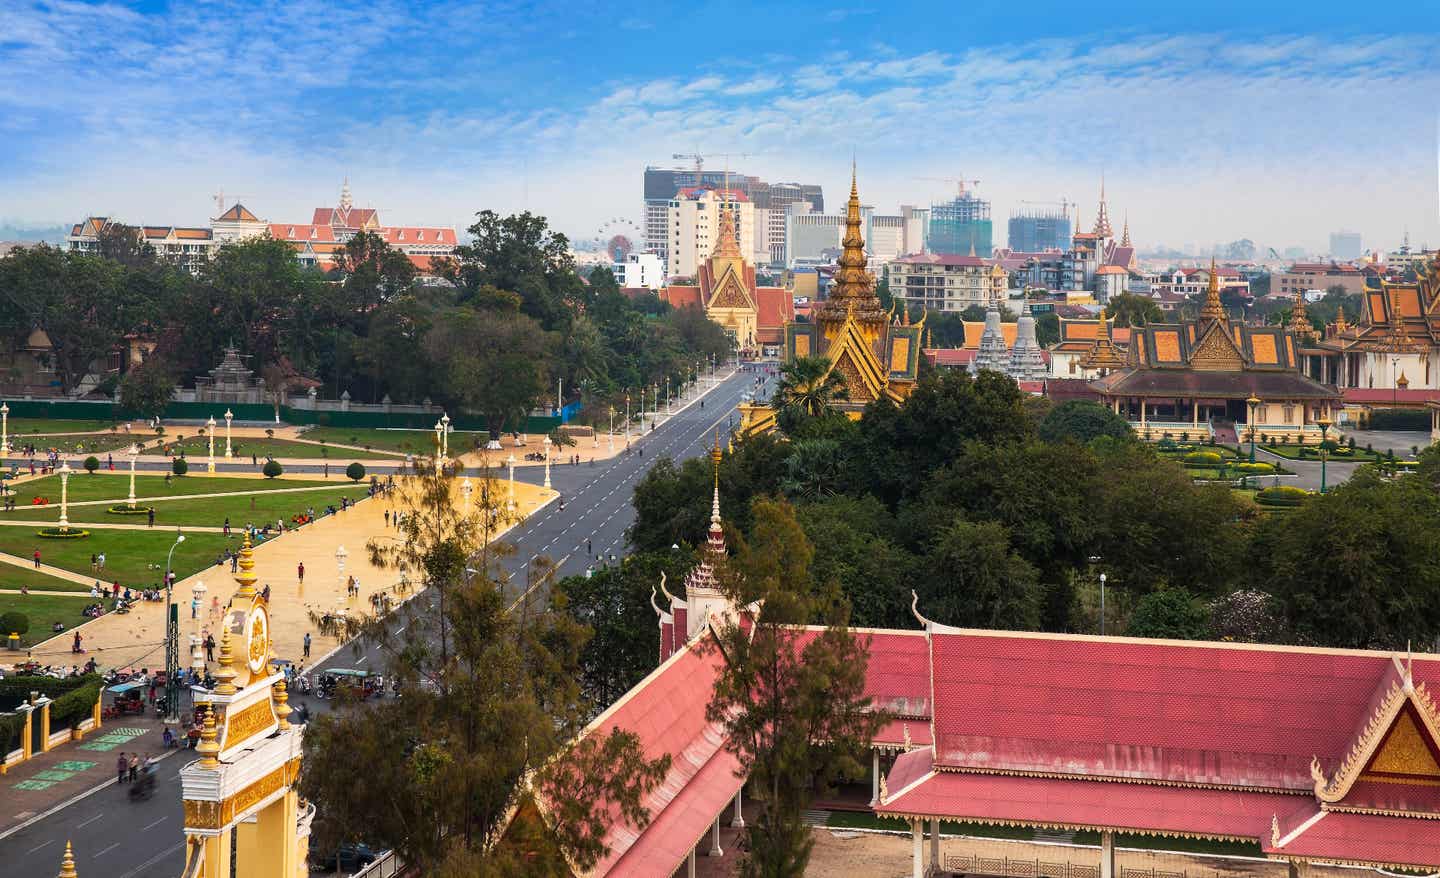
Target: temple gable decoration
x=1393 y=764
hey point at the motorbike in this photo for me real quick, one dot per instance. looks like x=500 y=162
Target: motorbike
x=143 y=787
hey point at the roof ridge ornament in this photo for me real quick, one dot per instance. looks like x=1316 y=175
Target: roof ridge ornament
x=664 y=590
x=915 y=609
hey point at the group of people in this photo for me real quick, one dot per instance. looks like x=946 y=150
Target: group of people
x=128 y=766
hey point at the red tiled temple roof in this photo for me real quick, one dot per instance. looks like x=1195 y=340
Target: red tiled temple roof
x=1358 y=838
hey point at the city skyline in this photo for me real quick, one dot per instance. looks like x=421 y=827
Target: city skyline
x=1205 y=132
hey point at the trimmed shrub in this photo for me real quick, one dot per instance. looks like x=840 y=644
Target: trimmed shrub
x=272 y=469
x=75 y=706
x=1253 y=469
x=14 y=623
x=92 y=463
x=179 y=466
x=1202 y=458
x=355 y=471
x=55 y=533
x=1282 y=495
x=1400 y=419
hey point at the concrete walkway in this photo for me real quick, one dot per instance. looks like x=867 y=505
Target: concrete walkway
x=137 y=637
x=56 y=572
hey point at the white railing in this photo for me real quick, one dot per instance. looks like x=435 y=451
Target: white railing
x=385 y=866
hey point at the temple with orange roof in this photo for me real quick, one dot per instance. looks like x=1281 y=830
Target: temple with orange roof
x=753 y=315
x=1207 y=375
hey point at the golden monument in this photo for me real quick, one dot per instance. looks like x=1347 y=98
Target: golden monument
x=240 y=796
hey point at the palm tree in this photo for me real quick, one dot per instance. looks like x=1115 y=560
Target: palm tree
x=808 y=385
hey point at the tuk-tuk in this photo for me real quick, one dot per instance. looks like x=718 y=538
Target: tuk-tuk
x=357 y=683
x=129 y=698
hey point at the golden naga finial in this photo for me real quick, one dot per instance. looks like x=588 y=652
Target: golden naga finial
x=1212 y=309
x=246 y=577
x=924 y=315
x=209 y=748
x=225 y=677
x=884 y=790
x=67 y=863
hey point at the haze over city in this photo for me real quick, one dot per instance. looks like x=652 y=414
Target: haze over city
x=1209 y=125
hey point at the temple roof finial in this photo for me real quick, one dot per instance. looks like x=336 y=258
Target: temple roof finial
x=1102 y=220
x=345 y=200
x=1125 y=235
x=67 y=863
x=1212 y=309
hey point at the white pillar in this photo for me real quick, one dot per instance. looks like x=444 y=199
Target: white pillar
x=935 y=844
x=875 y=776
x=690 y=864
x=739 y=821
x=1107 y=855
x=715 y=850
x=918 y=868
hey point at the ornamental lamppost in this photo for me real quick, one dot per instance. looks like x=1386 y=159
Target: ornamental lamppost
x=197 y=591
x=1324 y=423
x=444 y=435
x=439 y=442
x=667 y=394
x=5 y=428
x=1254 y=404
x=511 y=461
x=210 y=434
x=65 y=472
x=627 y=417
x=340 y=556
x=172 y=640
x=465 y=490
x=229 y=416
x=546 y=443
x=1102 y=605
x=134 y=452
x=610 y=437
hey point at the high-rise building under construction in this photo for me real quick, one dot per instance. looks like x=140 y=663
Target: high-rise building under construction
x=1037 y=230
x=961 y=226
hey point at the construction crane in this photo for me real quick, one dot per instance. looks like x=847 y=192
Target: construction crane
x=958 y=181
x=219 y=197
x=1064 y=204
x=699 y=158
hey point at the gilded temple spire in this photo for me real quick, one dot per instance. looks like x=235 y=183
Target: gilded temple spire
x=67 y=864
x=1103 y=354
x=1340 y=324
x=727 y=244
x=1212 y=309
x=1299 y=320
x=1400 y=341
x=1102 y=220
x=1125 y=235
x=853 y=288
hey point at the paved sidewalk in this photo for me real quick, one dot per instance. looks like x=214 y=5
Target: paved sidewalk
x=51 y=779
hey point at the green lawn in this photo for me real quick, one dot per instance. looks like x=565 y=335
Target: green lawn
x=116 y=486
x=20 y=426
x=129 y=553
x=1292 y=452
x=246 y=508
x=403 y=441
x=44 y=611
x=12 y=577
x=197 y=450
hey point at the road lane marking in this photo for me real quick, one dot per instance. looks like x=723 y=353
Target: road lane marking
x=156 y=823
x=52 y=841
x=98 y=816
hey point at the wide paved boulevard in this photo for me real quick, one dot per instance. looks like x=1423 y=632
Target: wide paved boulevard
x=120 y=839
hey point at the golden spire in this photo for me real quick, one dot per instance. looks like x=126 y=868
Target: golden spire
x=1212 y=309
x=727 y=245
x=853 y=285
x=1102 y=220
x=1400 y=341
x=1299 y=321
x=209 y=748
x=1125 y=235
x=715 y=469
x=1103 y=354
x=1340 y=324
x=67 y=864
x=225 y=677
x=246 y=576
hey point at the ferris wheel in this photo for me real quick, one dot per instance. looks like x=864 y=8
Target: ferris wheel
x=618 y=237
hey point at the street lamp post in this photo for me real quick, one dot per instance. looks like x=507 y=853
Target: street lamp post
x=1395 y=381
x=340 y=556
x=546 y=443
x=1254 y=404
x=229 y=416
x=667 y=394
x=172 y=640
x=511 y=461
x=134 y=453
x=210 y=434
x=444 y=435
x=439 y=443
x=465 y=490
x=5 y=428
x=1102 y=605
x=64 y=495
x=1324 y=424
x=627 y=418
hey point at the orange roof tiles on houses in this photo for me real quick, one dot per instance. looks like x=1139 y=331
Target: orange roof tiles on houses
x=237 y=213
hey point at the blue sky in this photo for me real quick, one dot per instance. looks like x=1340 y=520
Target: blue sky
x=1214 y=121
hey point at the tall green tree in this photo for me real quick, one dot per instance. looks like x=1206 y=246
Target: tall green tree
x=490 y=704
x=977 y=581
x=1130 y=309
x=791 y=698
x=148 y=388
x=490 y=361
x=521 y=254
x=807 y=387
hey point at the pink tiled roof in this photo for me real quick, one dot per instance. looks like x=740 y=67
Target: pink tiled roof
x=1381 y=396
x=943 y=259
x=682 y=296
x=1148 y=710
x=774 y=307
x=1366 y=838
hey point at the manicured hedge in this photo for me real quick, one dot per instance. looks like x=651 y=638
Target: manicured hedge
x=1251 y=469
x=1202 y=458
x=72 y=708
x=1282 y=495
x=1400 y=419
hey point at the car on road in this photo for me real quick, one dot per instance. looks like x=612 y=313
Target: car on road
x=347 y=859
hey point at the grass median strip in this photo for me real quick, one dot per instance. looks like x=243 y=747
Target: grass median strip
x=240 y=509
x=134 y=558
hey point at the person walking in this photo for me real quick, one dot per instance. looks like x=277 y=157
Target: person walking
x=209 y=648
x=306 y=652
x=150 y=517
x=122 y=767
x=101 y=560
x=227 y=527
x=194 y=608
x=37 y=559
x=300 y=572
x=134 y=766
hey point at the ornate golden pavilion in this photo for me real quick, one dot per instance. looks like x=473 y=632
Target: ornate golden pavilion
x=875 y=351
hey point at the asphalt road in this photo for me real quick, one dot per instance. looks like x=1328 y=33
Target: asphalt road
x=123 y=839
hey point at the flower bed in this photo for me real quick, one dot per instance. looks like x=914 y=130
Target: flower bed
x=1253 y=469
x=56 y=533
x=122 y=509
x=1202 y=459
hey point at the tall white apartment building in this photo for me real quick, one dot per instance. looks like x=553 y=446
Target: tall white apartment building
x=694 y=225
x=916 y=226
x=808 y=237
x=884 y=239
